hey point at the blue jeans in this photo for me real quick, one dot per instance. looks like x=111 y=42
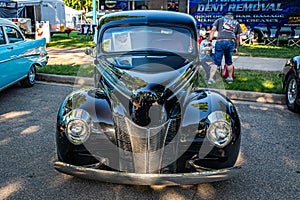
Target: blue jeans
x=223 y=48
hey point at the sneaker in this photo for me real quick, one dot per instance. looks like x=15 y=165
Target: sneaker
x=229 y=80
x=211 y=81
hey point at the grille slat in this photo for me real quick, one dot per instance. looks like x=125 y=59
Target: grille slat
x=142 y=148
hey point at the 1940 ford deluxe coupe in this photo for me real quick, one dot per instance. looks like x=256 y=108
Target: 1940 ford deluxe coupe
x=144 y=122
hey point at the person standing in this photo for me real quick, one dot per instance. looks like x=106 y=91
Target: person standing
x=202 y=33
x=228 y=39
x=173 y=7
x=206 y=57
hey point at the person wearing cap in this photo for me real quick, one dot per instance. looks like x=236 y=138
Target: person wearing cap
x=228 y=39
x=173 y=7
x=206 y=57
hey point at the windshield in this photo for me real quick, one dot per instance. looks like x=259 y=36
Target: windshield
x=147 y=38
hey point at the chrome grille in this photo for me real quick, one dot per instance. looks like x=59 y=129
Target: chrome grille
x=142 y=148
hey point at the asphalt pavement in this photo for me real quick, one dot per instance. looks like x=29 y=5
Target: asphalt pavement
x=76 y=56
x=268 y=155
x=257 y=63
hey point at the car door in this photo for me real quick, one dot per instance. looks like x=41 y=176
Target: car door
x=12 y=69
x=5 y=54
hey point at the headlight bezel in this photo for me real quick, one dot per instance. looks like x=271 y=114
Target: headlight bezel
x=219 y=131
x=78 y=126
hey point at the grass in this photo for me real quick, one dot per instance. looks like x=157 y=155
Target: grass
x=62 y=40
x=257 y=81
x=69 y=70
x=244 y=80
x=260 y=50
x=248 y=80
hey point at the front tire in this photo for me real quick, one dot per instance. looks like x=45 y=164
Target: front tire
x=30 y=78
x=292 y=93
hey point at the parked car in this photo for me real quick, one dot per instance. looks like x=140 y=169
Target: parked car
x=291 y=81
x=19 y=56
x=145 y=123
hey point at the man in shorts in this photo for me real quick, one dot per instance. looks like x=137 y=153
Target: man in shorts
x=228 y=38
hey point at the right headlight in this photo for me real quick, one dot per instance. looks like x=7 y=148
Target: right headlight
x=219 y=131
x=78 y=126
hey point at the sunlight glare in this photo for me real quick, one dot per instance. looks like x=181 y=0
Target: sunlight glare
x=172 y=194
x=206 y=191
x=268 y=84
x=13 y=114
x=9 y=189
x=5 y=141
x=29 y=130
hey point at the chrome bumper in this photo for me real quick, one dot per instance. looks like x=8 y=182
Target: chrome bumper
x=43 y=60
x=146 y=179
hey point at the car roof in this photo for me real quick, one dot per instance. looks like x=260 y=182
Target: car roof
x=7 y=22
x=148 y=17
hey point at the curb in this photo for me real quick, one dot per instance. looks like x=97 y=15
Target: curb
x=231 y=94
x=256 y=97
x=73 y=80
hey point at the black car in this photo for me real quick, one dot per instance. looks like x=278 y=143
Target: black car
x=291 y=83
x=145 y=122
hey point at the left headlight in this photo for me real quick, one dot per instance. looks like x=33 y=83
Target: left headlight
x=219 y=131
x=78 y=126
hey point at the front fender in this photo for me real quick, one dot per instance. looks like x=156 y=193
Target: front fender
x=292 y=66
x=205 y=102
x=202 y=107
x=94 y=101
x=97 y=105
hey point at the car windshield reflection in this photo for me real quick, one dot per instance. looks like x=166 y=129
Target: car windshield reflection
x=147 y=38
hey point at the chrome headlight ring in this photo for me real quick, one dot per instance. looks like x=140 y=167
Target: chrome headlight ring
x=219 y=131
x=78 y=126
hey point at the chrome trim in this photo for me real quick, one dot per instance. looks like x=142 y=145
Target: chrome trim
x=146 y=179
x=43 y=57
x=147 y=145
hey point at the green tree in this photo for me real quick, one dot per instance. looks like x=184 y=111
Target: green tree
x=86 y=5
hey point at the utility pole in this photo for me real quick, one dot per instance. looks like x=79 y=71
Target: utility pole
x=94 y=12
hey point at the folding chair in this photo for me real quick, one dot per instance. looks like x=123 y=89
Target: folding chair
x=294 y=40
x=92 y=33
x=263 y=29
x=271 y=38
x=84 y=31
x=284 y=33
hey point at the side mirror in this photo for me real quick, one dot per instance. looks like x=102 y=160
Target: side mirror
x=89 y=51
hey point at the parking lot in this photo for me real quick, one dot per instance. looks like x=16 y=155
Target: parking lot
x=269 y=154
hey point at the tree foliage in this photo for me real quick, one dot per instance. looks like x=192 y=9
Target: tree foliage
x=86 y=5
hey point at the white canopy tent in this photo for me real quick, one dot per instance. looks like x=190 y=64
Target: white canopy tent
x=34 y=2
x=73 y=17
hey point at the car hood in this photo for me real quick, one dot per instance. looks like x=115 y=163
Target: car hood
x=172 y=72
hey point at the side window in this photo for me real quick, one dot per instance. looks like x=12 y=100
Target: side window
x=2 y=39
x=13 y=35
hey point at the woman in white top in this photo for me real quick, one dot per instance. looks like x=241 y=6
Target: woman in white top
x=206 y=58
